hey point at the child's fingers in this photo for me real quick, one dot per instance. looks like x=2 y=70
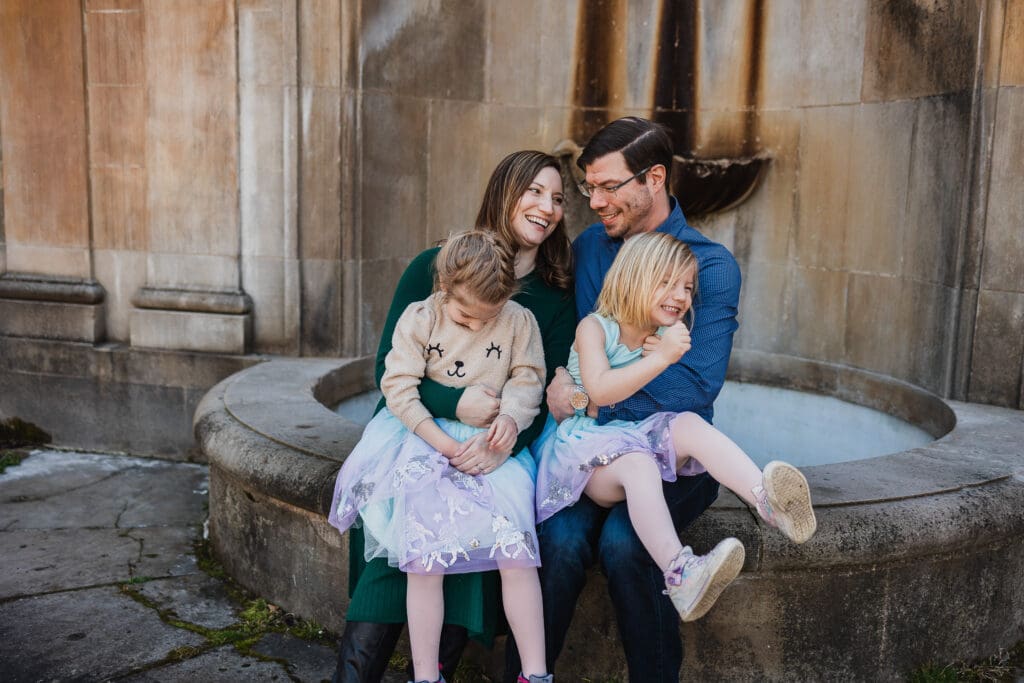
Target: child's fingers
x=500 y=437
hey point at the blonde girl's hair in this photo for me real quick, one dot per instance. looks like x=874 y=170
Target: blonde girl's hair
x=479 y=263
x=642 y=264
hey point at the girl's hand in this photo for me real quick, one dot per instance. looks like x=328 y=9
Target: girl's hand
x=474 y=457
x=478 y=406
x=650 y=345
x=502 y=434
x=675 y=341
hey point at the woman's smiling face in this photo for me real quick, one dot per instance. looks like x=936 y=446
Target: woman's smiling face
x=539 y=209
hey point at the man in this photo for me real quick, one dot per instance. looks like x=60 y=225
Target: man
x=628 y=165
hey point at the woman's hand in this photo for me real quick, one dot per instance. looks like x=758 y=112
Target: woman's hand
x=675 y=341
x=475 y=457
x=559 y=392
x=478 y=406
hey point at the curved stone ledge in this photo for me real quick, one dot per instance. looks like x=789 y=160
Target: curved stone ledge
x=919 y=555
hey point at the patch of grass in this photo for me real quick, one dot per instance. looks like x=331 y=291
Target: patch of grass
x=184 y=652
x=207 y=561
x=10 y=459
x=259 y=615
x=398 y=662
x=310 y=630
x=1004 y=666
x=932 y=673
x=137 y=579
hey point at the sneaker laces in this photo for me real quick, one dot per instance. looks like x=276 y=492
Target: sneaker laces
x=764 y=507
x=680 y=566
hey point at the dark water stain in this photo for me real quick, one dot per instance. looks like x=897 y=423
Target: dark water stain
x=702 y=185
x=675 y=89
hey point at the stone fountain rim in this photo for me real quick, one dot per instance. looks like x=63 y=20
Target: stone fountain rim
x=287 y=443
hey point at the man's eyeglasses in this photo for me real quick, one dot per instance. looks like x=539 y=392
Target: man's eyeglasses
x=588 y=190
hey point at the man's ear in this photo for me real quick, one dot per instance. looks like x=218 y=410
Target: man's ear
x=656 y=177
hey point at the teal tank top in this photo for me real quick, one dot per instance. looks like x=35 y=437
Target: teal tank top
x=618 y=354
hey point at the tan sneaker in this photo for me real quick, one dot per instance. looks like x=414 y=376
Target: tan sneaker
x=694 y=582
x=785 y=501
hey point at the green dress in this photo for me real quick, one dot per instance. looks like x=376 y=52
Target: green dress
x=470 y=600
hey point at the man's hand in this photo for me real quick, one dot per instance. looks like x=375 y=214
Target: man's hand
x=478 y=406
x=559 y=393
x=675 y=341
x=475 y=457
x=502 y=434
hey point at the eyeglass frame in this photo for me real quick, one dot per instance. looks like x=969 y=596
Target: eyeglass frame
x=610 y=191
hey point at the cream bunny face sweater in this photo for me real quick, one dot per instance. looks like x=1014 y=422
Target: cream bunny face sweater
x=506 y=355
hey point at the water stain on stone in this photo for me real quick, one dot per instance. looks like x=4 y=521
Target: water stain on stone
x=702 y=186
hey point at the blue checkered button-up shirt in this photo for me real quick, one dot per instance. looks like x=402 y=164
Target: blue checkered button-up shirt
x=693 y=383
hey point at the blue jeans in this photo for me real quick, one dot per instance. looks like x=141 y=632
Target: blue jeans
x=648 y=624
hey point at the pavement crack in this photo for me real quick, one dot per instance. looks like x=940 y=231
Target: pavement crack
x=77 y=589
x=117 y=521
x=132 y=566
x=63 y=492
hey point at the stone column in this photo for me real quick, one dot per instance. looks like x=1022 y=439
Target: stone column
x=268 y=182
x=193 y=298
x=48 y=288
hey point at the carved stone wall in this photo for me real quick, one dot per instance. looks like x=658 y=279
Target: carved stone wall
x=253 y=175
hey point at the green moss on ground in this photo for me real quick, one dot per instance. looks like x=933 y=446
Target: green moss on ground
x=10 y=459
x=1007 y=665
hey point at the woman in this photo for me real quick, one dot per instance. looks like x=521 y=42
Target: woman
x=523 y=205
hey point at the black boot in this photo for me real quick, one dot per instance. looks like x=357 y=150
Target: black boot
x=364 y=651
x=453 y=642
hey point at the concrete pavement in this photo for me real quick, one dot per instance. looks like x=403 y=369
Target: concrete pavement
x=99 y=580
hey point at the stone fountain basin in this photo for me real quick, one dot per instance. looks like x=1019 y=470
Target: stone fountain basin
x=919 y=555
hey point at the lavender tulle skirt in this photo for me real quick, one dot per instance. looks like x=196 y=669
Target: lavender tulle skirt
x=424 y=515
x=567 y=454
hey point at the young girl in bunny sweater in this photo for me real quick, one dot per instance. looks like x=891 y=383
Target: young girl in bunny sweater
x=423 y=514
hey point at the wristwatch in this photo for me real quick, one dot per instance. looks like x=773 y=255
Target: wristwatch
x=579 y=399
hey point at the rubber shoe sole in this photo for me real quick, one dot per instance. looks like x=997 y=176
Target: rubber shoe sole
x=790 y=498
x=725 y=562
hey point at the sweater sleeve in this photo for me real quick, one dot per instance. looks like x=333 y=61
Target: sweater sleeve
x=416 y=284
x=522 y=393
x=406 y=365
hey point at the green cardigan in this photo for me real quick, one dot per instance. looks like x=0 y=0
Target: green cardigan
x=471 y=600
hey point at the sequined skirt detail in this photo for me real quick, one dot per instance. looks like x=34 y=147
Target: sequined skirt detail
x=567 y=454
x=424 y=515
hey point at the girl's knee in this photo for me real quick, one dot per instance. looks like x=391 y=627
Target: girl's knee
x=689 y=423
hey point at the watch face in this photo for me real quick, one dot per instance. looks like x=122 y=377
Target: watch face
x=579 y=399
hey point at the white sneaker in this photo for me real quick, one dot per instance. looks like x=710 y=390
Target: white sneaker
x=785 y=501
x=694 y=582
